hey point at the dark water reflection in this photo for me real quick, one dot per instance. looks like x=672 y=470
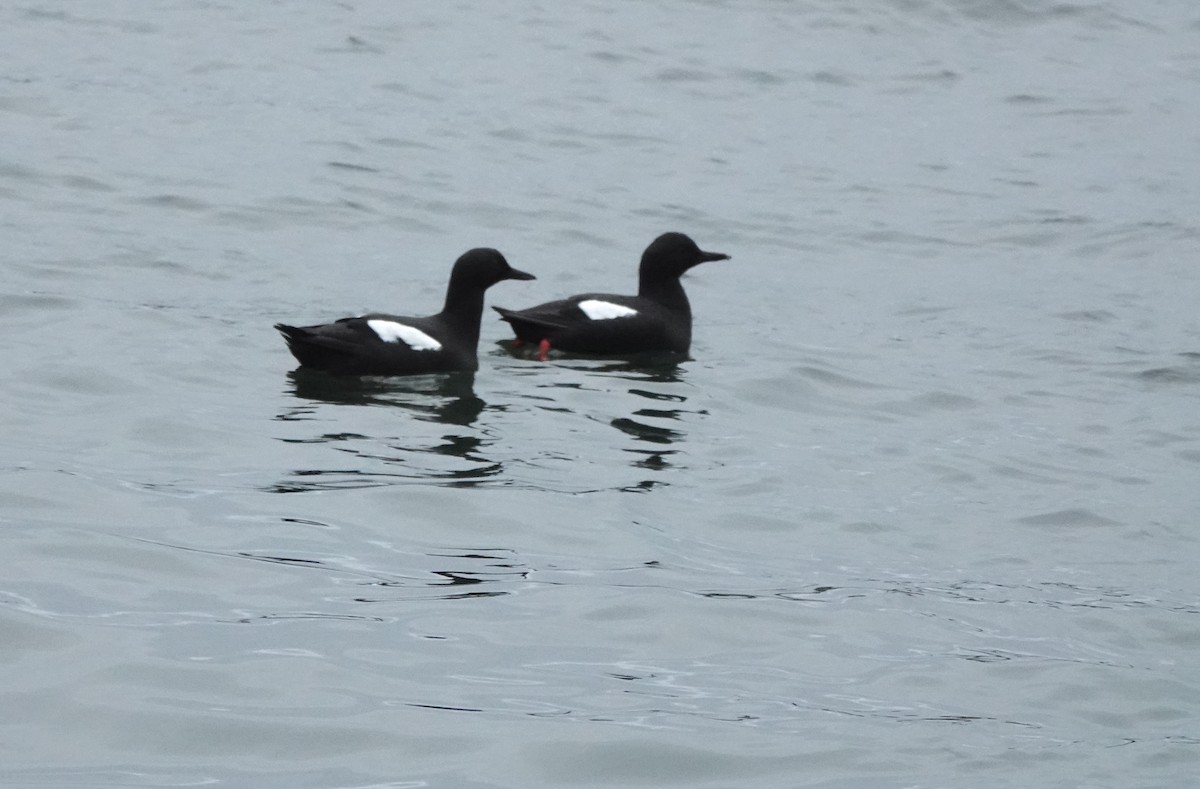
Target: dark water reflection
x=664 y=368
x=446 y=434
x=465 y=575
x=643 y=425
x=445 y=574
x=447 y=399
x=1185 y=372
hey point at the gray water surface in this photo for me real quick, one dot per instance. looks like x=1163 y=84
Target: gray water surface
x=919 y=510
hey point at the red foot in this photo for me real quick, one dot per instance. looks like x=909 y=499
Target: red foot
x=543 y=350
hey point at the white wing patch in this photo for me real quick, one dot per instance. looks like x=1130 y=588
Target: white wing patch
x=390 y=331
x=605 y=310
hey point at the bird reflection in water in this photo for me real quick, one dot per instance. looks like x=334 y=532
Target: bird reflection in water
x=443 y=399
x=447 y=397
x=656 y=376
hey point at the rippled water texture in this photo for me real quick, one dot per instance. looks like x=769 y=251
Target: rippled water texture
x=920 y=509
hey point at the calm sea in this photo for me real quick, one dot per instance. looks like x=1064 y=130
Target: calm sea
x=921 y=509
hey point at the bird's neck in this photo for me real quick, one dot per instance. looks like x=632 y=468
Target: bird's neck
x=667 y=292
x=464 y=309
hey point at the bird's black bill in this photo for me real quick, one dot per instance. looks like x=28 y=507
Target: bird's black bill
x=518 y=274
x=707 y=257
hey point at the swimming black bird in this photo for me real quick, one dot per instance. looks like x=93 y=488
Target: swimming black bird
x=658 y=318
x=379 y=344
